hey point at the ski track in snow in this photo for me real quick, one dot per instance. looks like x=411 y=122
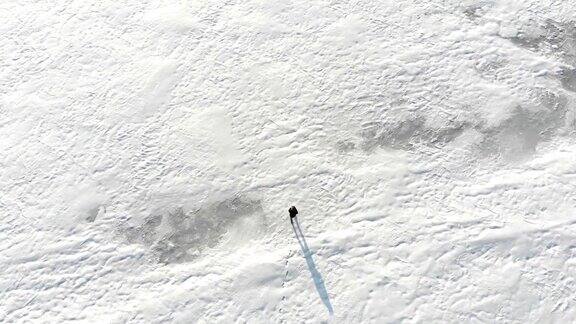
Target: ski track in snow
x=151 y=149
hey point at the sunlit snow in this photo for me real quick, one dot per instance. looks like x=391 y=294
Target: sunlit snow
x=151 y=150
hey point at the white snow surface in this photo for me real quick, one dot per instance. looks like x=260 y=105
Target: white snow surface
x=151 y=149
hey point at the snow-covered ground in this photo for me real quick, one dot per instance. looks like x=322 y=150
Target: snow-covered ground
x=151 y=149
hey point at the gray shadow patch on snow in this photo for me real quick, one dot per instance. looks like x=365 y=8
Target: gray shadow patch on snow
x=518 y=136
x=345 y=146
x=513 y=139
x=180 y=236
x=477 y=10
x=549 y=36
x=567 y=77
x=490 y=66
x=405 y=134
x=526 y=41
x=92 y=214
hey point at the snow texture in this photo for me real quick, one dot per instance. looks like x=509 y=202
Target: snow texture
x=151 y=150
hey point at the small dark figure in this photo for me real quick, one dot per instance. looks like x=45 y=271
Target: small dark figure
x=293 y=212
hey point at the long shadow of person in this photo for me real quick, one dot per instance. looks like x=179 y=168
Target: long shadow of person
x=316 y=277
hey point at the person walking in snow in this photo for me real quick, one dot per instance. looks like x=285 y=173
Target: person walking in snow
x=293 y=212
